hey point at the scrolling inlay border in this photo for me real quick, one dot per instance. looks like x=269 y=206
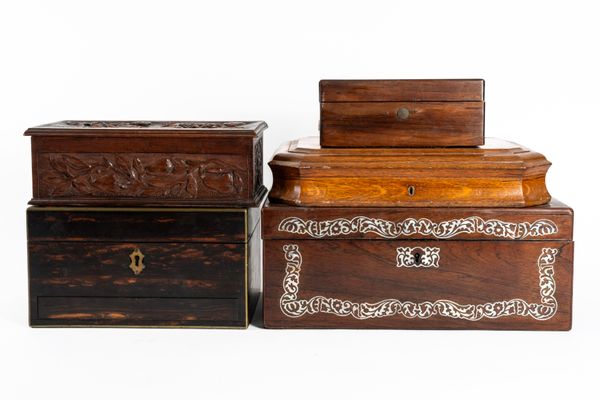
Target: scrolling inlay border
x=294 y=307
x=422 y=226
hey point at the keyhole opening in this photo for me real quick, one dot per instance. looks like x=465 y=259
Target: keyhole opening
x=417 y=258
x=137 y=261
x=411 y=191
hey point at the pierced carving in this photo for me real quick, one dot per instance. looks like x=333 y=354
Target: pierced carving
x=109 y=124
x=294 y=307
x=203 y=125
x=153 y=124
x=148 y=175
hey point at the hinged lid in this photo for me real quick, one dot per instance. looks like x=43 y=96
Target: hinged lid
x=401 y=90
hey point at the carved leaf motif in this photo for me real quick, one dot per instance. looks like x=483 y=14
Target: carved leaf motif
x=177 y=189
x=138 y=167
x=59 y=165
x=57 y=185
x=191 y=186
x=237 y=182
x=122 y=165
x=220 y=182
x=75 y=163
x=118 y=175
x=82 y=184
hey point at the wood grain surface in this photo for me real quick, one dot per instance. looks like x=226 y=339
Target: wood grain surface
x=499 y=174
x=471 y=274
x=426 y=124
x=201 y=266
x=401 y=90
x=355 y=268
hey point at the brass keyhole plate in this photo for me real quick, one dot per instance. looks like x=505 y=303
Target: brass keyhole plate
x=137 y=261
x=402 y=114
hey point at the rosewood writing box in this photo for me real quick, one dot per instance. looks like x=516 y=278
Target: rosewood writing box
x=402 y=113
x=145 y=223
x=418 y=268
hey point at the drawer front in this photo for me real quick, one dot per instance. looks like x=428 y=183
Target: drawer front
x=92 y=311
x=137 y=269
x=139 y=225
x=402 y=124
x=418 y=284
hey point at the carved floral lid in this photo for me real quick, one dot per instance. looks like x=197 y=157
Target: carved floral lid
x=150 y=128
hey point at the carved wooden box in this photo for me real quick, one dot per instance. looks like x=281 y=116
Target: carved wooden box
x=179 y=267
x=147 y=163
x=402 y=113
x=421 y=268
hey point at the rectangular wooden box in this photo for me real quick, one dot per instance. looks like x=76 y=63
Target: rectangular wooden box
x=402 y=113
x=167 y=267
x=147 y=163
x=419 y=268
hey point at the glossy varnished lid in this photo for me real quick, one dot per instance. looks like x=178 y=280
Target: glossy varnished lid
x=498 y=174
x=148 y=128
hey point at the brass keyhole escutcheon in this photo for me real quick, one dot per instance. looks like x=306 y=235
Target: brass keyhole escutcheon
x=402 y=114
x=137 y=261
x=411 y=191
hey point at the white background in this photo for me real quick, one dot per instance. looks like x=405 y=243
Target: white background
x=223 y=60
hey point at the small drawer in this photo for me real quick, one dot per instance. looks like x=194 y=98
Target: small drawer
x=402 y=124
x=127 y=311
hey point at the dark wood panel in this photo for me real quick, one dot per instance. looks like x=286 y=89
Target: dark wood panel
x=103 y=269
x=362 y=284
x=401 y=90
x=254 y=278
x=422 y=124
x=137 y=225
x=137 y=311
x=553 y=221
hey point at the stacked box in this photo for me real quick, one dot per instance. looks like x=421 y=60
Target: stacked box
x=400 y=217
x=145 y=223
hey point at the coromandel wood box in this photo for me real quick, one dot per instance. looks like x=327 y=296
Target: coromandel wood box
x=402 y=113
x=153 y=224
x=430 y=268
x=147 y=163
x=138 y=266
